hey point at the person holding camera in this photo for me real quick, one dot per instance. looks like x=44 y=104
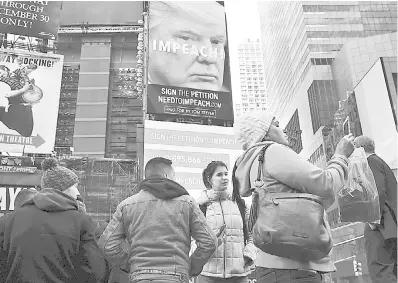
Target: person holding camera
x=282 y=176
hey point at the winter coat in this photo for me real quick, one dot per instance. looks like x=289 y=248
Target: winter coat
x=49 y=240
x=387 y=188
x=286 y=171
x=229 y=258
x=158 y=223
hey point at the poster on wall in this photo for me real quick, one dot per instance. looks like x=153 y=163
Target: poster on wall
x=7 y=197
x=30 y=86
x=190 y=148
x=188 y=64
x=30 y=18
x=375 y=108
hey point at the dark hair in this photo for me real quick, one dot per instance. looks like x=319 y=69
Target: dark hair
x=236 y=197
x=156 y=166
x=209 y=171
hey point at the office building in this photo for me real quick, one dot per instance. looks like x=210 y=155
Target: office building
x=300 y=41
x=100 y=114
x=252 y=80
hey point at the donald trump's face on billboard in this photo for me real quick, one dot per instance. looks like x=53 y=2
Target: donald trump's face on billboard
x=186 y=41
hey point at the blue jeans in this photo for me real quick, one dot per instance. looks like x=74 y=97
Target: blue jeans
x=270 y=275
x=207 y=279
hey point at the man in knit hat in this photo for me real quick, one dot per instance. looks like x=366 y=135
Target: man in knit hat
x=48 y=239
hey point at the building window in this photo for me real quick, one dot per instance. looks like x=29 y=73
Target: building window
x=315 y=119
x=321 y=61
x=318 y=153
x=294 y=132
x=322 y=101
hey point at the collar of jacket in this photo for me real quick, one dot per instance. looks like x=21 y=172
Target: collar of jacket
x=163 y=188
x=208 y=196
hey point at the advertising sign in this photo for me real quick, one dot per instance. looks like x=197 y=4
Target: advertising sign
x=30 y=18
x=375 y=109
x=188 y=64
x=191 y=148
x=7 y=197
x=29 y=96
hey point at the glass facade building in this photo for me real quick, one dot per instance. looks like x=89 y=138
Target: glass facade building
x=300 y=37
x=251 y=73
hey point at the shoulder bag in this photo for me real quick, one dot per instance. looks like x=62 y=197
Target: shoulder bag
x=289 y=225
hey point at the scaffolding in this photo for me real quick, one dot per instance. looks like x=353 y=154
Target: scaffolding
x=104 y=182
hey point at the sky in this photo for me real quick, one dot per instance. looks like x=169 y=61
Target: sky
x=243 y=22
x=242 y=17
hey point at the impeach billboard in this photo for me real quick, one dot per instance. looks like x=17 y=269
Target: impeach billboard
x=188 y=64
x=30 y=84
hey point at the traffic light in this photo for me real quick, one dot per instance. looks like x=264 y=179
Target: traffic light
x=357 y=268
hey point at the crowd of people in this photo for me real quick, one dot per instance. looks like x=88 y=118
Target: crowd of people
x=162 y=234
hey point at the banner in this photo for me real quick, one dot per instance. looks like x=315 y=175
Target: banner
x=188 y=65
x=30 y=18
x=7 y=197
x=375 y=109
x=30 y=85
x=191 y=148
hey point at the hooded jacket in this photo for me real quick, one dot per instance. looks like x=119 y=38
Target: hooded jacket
x=158 y=223
x=285 y=171
x=229 y=258
x=49 y=240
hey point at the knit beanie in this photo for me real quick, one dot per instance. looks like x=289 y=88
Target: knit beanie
x=252 y=127
x=55 y=176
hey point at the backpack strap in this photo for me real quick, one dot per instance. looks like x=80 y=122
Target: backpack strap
x=203 y=208
x=254 y=209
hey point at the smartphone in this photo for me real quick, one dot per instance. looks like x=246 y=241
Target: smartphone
x=347 y=126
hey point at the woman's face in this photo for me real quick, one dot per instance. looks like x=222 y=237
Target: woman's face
x=277 y=134
x=219 y=180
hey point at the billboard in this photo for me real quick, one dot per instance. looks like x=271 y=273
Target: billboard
x=7 y=197
x=30 y=18
x=190 y=148
x=377 y=114
x=188 y=60
x=30 y=86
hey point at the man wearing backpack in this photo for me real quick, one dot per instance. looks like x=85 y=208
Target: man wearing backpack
x=381 y=240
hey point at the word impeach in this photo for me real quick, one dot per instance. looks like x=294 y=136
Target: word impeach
x=7 y=197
